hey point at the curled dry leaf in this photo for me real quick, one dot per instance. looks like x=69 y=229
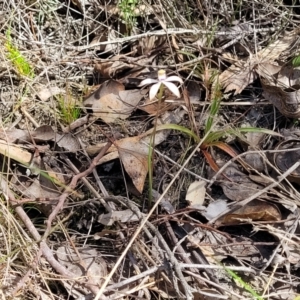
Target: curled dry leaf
x=285 y=160
x=255 y=210
x=286 y=101
x=281 y=88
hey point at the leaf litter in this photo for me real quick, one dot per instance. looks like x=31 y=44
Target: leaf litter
x=64 y=183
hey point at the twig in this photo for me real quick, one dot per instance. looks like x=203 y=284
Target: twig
x=202 y=266
x=169 y=31
x=127 y=281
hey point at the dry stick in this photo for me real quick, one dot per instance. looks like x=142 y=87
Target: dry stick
x=214 y=267
x=282 y=240
x=118 y=285
x=46 y=251
x=170 y=31
x=72 y=186
x=144 y=220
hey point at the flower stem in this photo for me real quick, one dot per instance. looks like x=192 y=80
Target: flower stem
x=152 y=145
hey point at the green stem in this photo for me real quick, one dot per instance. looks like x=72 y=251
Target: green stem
x=152 y=145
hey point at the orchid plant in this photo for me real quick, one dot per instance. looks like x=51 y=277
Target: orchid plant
x=157 y=90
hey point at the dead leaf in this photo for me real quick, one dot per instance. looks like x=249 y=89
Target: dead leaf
x=90 y=264
x=106 y=88
x=45 y=93
x=133 y=151
x=255 y=210
x=148 y=43
x=111 y=107
x=214 y=209
x=285 y=160
x=281 y=88
x=286 y=101
x=68 y=142
x=196 y=194
x=256 y=161
x=43 y=133
x=134 y=156
x=124 y=216
x=238 y=76
x=111 y=102
x=112 y=67
x=240 y=186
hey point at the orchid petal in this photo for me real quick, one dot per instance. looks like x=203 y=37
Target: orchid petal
x=148 y=81
x=153 y=90
x=172 y=87
x=174 y=78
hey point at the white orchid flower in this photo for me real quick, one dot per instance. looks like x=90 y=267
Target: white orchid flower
x=162 y=79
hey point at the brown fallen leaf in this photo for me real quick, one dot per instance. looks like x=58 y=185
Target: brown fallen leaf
x=286 y=101
x=255 y=210
x=282 y=89
x=111 y=101
x=134 y=156
x=14 y=135
x=43 y=133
